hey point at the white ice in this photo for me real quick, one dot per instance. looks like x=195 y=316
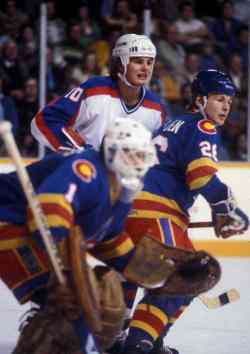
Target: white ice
x=198 y=331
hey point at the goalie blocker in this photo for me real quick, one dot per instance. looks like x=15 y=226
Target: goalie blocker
x=172 y=271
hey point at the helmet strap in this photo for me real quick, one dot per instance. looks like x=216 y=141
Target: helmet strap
x=202 y=106
x=123 y=78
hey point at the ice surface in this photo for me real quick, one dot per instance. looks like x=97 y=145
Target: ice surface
x=198 y=331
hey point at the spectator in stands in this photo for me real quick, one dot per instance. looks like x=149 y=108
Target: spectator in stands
x=102 y=49
x=14 y=70
x=107 y=8
x=8 y=109
x=169 y=50
x=192 y=66
x=56 y=27
x=27 y=108
x=122 y=18
x=241 y=148
x=180 y=107
x=235 y=70
x=241 y=45
x=192 y=31
x=12 y=19
x=233 y=128
x=88 y=68
x=72 y=48
x=57 y=76
x=28 y=48
x=169 y=82
x=209 y=57
x=226 y=26
x=90 y=29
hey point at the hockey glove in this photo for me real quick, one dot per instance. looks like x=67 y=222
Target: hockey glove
x=234 y=223
x=228 y=219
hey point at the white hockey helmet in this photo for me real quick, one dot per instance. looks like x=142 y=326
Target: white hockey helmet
x=129 y=151
x=132 y=45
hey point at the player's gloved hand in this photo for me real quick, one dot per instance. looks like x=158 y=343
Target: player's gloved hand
x=234 y=223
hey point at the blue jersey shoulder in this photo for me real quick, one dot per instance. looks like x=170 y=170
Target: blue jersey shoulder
x=98 y=81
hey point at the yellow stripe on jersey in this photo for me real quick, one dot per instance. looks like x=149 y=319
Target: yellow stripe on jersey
x=156 y=198
x=145 y=327
x=55 y=199
x=155 y=311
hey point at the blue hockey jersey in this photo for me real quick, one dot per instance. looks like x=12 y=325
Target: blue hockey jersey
x=72 y=190
x=187 y=151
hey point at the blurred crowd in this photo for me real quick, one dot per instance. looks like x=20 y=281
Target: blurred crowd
x=79 y=46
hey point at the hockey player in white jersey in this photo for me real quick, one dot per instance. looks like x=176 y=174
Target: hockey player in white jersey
x=82 y=115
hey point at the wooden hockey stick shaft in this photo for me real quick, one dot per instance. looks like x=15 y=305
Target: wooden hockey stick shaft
x=40 y=219
x=200 y=224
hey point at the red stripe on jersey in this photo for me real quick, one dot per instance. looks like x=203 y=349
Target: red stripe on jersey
x=203 y=171
x=9 y=231
x=101 y=90
x=150 y=319
x=153 y=105
x=9 y=260
x=156 y=206
x=138 y=227
x=54 y=209
x=40 y=122
x=73 y=135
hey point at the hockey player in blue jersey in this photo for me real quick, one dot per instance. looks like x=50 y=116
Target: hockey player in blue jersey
x=187 y=151
x=82 y=115
x=86 y=190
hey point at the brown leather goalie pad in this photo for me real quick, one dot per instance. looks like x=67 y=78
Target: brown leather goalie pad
x=172 y=271
x=84 y=281
x=100 y=294
x=95 y=293
x=113 y=308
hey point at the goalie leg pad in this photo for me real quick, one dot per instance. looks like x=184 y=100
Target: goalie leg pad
x=113 y=308
x=47 y=331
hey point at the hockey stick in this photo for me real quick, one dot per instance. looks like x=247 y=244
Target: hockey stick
x=225 y=298
x=200 y=224
x=40 y=219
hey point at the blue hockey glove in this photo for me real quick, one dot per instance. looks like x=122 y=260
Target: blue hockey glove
x=234 y=223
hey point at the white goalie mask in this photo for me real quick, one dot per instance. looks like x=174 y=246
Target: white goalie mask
x=129 y=151
x=132 y=45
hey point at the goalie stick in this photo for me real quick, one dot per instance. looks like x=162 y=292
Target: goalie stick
x=225 y=298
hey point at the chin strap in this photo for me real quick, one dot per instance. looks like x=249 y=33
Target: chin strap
x=202 y=107
x=124 y=79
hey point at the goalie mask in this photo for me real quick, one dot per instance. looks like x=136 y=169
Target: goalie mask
x=132 y=45
x=129 y=151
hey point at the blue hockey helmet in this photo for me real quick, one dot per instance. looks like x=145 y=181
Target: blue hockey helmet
x=213 y=81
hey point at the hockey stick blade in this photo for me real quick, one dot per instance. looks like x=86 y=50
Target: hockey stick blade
x=225 y=298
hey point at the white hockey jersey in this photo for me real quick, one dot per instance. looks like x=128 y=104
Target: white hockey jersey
x=83 y=114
